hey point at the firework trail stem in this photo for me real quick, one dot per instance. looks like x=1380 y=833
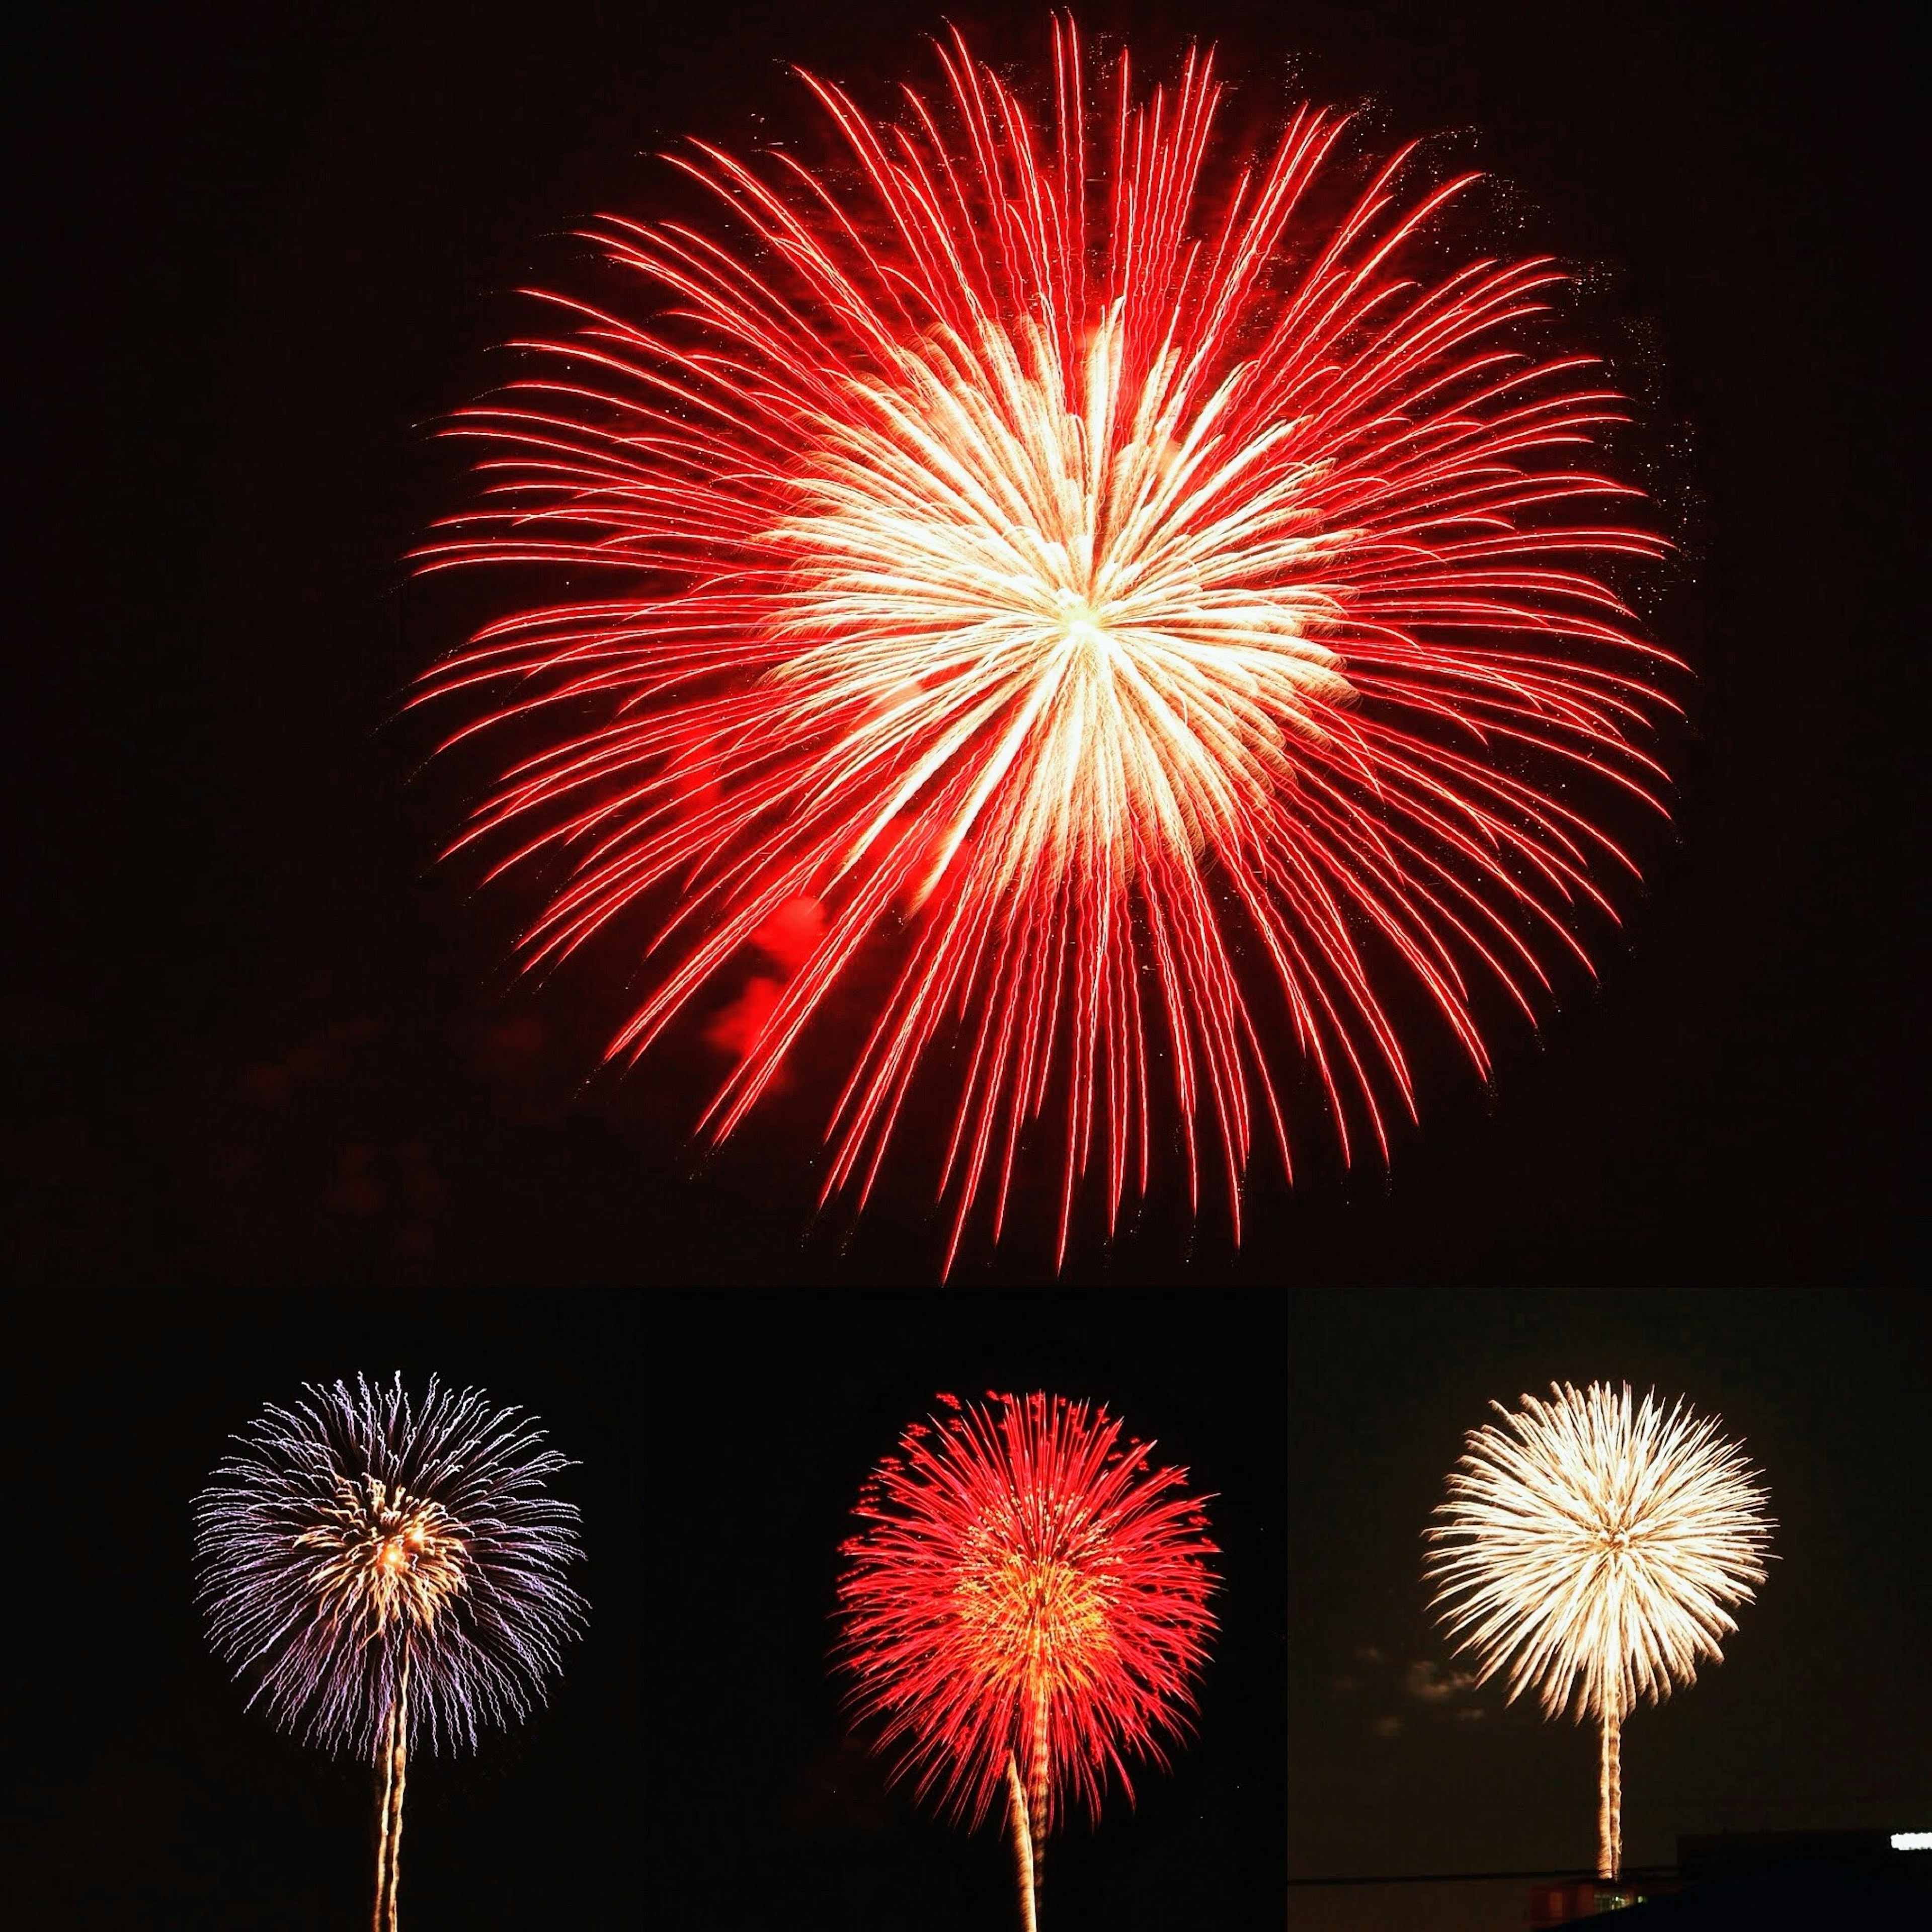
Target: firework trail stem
x=395 y=1768
x=382 y=1832
x=1610 y=1797
x=1022 y=1847
x=1038 y=1775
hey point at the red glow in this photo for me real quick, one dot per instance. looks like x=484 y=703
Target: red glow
x=1071 y=566
x=792 y=934
x=1026 y=1587
x=737 y=1028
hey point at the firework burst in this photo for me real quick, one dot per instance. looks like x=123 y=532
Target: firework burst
x=1591 y=1551
x=1144 y=617
x=1025 y=1610
x=384 y=1571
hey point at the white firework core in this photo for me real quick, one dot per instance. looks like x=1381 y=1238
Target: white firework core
x=983 y=569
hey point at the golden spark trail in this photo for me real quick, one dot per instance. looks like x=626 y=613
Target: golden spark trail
x=382 y=1831
x=1610 y=1796
x=399 y=1754
x=1040 y=1771
x=389 y=1842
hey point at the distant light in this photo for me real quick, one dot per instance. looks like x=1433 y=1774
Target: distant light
x=1912 y=1841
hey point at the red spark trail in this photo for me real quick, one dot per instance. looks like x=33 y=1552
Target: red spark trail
x=1063 y=562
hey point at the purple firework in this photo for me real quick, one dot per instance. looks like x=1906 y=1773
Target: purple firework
x=382 y=1571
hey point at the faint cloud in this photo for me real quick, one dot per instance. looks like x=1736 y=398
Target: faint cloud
x=326 y=1057
x=357 y=1190
x=1434 y=1685
x=1469 y=1710
x=39 y=1026
x=1387 y=1727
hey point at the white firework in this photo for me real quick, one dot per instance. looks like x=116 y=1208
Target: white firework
x=1592 y=1550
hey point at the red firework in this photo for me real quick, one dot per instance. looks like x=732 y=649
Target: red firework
x=1026 y=1607
x=1137 y=618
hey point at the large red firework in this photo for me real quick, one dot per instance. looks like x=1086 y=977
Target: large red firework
x=1025 y=1607
x=1063 y=580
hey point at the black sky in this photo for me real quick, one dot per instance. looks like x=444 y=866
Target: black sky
x=251 y=1030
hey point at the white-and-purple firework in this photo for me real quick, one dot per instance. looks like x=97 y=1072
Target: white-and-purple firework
x=381 y=1570
x=359 y=1532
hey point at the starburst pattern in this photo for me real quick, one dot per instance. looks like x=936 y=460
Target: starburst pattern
x=1027 y=1591
x=1062 y=579
x=1591 y=1551
x=361 y=1536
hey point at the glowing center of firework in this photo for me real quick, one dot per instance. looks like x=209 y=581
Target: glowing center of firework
x=385 y=1555
x=1083 y=626
x=1004 y=570
x=1037 y=1620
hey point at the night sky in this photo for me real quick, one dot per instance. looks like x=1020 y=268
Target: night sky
x=252 y=1032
